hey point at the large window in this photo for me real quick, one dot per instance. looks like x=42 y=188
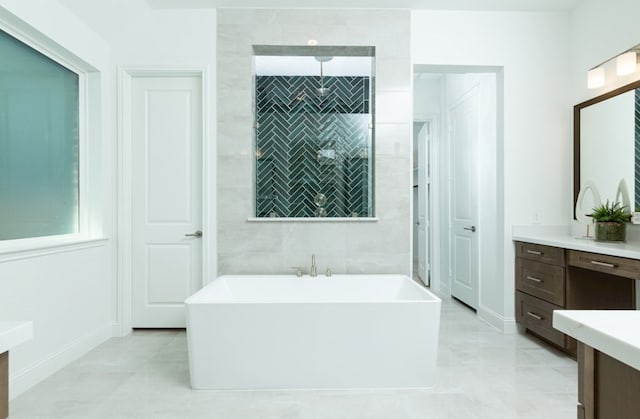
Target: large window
x=39 y=144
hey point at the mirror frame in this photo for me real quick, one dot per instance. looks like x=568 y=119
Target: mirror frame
x=576 y=132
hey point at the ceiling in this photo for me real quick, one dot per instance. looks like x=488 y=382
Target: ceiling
x=101 y=15
x=506 y=5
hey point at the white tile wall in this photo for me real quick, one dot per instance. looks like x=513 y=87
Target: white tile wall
x=258 y=247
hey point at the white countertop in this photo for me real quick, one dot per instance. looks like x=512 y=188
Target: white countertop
x=14 y=333
x=562 y=237
x=614 y=332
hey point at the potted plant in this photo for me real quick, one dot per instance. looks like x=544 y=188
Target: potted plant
x=611 y=221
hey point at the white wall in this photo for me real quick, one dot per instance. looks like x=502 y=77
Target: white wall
x=158 y=39
x=533 y=50
x=66 y=291
x=67 y=295
x=143 y=37
x=427 y=102
x=600 y=31
x=72 y=294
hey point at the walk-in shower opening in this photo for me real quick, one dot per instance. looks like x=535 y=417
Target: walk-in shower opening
x=314 y=136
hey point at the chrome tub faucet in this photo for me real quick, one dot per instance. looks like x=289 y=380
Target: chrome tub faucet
x=314 y=268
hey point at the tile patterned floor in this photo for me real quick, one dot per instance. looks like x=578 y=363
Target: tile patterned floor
x=481 y=374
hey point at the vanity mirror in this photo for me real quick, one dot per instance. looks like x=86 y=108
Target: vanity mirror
x=314 y=132
x=607 y=144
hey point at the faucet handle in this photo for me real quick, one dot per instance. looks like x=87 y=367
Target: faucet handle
x=298 y=271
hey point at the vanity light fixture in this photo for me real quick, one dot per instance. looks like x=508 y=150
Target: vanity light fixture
x=595 y=78
x=626 y=63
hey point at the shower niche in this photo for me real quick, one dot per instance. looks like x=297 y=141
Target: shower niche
x=314 y=136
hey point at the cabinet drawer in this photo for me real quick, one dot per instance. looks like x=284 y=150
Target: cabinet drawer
x=537 y=315
x=541 y=280
x=540 y=253
x=614 y=265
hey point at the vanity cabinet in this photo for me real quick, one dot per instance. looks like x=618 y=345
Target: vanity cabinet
x=600 y=282
x=552 y=278
x=540 y=289
x=4 y=385
x=600 y=393
x=608 y=361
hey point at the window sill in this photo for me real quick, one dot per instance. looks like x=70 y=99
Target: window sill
x=29 y=248
x=314 y=220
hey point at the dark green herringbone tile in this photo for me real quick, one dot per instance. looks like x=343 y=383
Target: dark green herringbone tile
x=310 y=144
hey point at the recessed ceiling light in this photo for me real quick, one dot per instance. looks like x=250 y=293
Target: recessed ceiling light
x=312 y=42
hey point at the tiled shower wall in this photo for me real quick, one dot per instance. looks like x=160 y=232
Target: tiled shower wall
x=274 y=246
x=309 y=145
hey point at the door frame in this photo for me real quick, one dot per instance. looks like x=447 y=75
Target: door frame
x=493 y=234
x=434 y=214
x=123 y=289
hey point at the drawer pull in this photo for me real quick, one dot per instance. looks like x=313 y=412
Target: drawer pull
x=534 y=252
x=534 y=279
x=606 y=265
x=535 y=316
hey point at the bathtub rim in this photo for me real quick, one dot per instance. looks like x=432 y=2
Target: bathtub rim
x=432 y=298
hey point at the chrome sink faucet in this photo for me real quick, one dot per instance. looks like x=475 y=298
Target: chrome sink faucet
x=314 y=268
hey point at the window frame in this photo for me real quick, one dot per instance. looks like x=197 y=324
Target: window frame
x=10 y=247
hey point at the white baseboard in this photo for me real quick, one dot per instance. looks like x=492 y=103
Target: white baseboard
x=504 y=325
x=24 y=379
x=119 y=331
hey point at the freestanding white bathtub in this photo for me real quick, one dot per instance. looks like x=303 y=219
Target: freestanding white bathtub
x=284 y=332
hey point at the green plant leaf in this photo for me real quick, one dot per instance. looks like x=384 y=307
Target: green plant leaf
x=612 y=212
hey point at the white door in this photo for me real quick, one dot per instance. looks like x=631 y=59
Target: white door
x=464 y=125
x=166 y=197
x=423 y=201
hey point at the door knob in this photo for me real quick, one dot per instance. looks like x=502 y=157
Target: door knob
x=197 y=234
x=471 y=229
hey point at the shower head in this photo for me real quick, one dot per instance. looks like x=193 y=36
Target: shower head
x=322 y=91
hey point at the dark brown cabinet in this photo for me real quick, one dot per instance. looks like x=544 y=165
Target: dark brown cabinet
x=551 y=278
x=4 y=385
x=540 y=289
x=607 y=388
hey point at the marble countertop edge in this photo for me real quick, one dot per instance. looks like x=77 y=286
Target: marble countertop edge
x=561 y=237
x=13 y=333
x=614 y=332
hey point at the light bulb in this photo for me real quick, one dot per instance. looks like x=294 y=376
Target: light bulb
x=626 y=63
x=595 y=78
